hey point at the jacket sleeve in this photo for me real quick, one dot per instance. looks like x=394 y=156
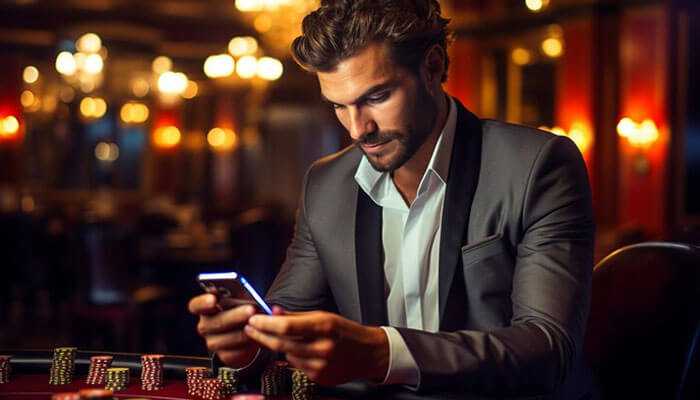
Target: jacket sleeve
x=550 y=293
x=301 y=284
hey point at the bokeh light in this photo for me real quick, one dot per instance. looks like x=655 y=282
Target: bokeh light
x=166 y=137
x=30 y=74
x=247 y=67
x=89 y=43
x=162 y=64
x=521 y=56
x=222 y=139
x=552 y=47
x=269 y=68
x=173 y=83
x=219 y=66
x=242 y=46
x=65 y=63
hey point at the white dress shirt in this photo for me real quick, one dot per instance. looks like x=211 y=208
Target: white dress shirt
x=411 y=241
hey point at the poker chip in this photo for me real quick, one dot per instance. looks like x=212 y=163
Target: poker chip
x=275 y=379
x=194 y=378
x=98 y=370
x=5 y=369
x=212 y=389
x=96 y=394
x=66 y=396
x=303 y=388
x=117 y=379
x=62 y=366
x=152 y=371
x=229 y=377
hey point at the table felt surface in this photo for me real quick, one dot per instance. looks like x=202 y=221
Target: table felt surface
x=37 y=387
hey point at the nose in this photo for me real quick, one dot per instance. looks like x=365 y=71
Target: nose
x=359 y=123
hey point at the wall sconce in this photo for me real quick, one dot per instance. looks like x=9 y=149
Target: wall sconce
x=641 y=136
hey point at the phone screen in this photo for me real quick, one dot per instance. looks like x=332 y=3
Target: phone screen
x=231 y=290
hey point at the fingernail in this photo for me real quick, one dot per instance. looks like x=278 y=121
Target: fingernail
x=253 y=319
x=250 y=310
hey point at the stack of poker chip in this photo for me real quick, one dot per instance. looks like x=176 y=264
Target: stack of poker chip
x=212 y=389
x=63 y=366
x=94 y=394
x=195 y=376
x=117 y=379
x=5 y=369
x=275 y=379
x=229 y=377
x=98 y=370
x=303 y=388
x=152 y=371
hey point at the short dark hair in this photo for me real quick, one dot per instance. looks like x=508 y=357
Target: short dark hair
x=339 y=29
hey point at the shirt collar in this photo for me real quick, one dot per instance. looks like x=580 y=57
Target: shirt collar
x=370 y=180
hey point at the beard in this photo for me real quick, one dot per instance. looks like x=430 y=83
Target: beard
x=408 y=141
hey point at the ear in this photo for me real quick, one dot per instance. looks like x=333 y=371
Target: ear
x=434 y=66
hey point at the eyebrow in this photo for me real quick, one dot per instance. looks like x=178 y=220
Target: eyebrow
x=363 y=97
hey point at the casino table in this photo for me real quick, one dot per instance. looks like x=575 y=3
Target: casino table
x=29 y=380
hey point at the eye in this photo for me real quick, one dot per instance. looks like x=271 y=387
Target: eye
x=337 y=106
x=379 y=97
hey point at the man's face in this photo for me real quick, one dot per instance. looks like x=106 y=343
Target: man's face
x=387 y=109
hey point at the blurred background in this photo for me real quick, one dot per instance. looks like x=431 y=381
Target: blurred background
x=142 y=142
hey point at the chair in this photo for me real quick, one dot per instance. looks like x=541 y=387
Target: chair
x=643 y=330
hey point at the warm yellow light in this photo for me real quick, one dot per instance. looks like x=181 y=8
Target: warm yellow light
x=134 y=113
x=140 y=87
x=644 y=135
x=162 y=64
x=173 y=83
x=249 y=5
x=262 y=23
x=27 y=98
x=247 y=67
x=100 y=108
x=521 y=56
x=269 y=68
x=219 y=66
x=626 y=127
x=221 y=139
x=579 y=134
x=242 y=46
x=9 y=126
x=191 y=90
x=65 y=63
x=536 y=5
x=166 y=137
x=93 y=64
x=558 y=131
x=88 y=107
x=553 y=47
x=30 y=74
x=108 y=152
x=89 y=43
x=93 y=107
x=80 y=60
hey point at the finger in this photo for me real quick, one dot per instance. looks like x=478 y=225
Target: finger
x=225 y=321
x=311 y=324
x=321 y=348
x=311 y=366
x=228 y=341
x=204 y=304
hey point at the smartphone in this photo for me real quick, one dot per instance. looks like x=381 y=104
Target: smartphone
x=232 y=289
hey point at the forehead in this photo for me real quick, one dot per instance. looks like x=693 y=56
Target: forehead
x=354 y=75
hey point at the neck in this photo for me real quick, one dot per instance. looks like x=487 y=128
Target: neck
x=408 y=177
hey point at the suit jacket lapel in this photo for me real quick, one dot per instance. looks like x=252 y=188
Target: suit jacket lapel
x=461 y=186
x=370 y=260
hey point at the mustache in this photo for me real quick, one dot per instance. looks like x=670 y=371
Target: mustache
x=376 y=137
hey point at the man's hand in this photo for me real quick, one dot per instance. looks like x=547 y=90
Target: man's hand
x=223 y=330
x=327 y=347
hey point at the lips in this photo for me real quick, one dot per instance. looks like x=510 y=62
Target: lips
x=375 y=147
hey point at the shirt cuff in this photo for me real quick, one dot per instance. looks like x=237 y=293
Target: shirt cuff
x=403 y=369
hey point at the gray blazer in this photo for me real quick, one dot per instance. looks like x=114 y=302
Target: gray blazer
x=516 y=257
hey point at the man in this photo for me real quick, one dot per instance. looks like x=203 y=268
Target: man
x=448 y=253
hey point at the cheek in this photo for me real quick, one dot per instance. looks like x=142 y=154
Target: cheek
x=394 y=114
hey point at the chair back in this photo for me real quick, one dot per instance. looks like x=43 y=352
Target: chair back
x=642 y=333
